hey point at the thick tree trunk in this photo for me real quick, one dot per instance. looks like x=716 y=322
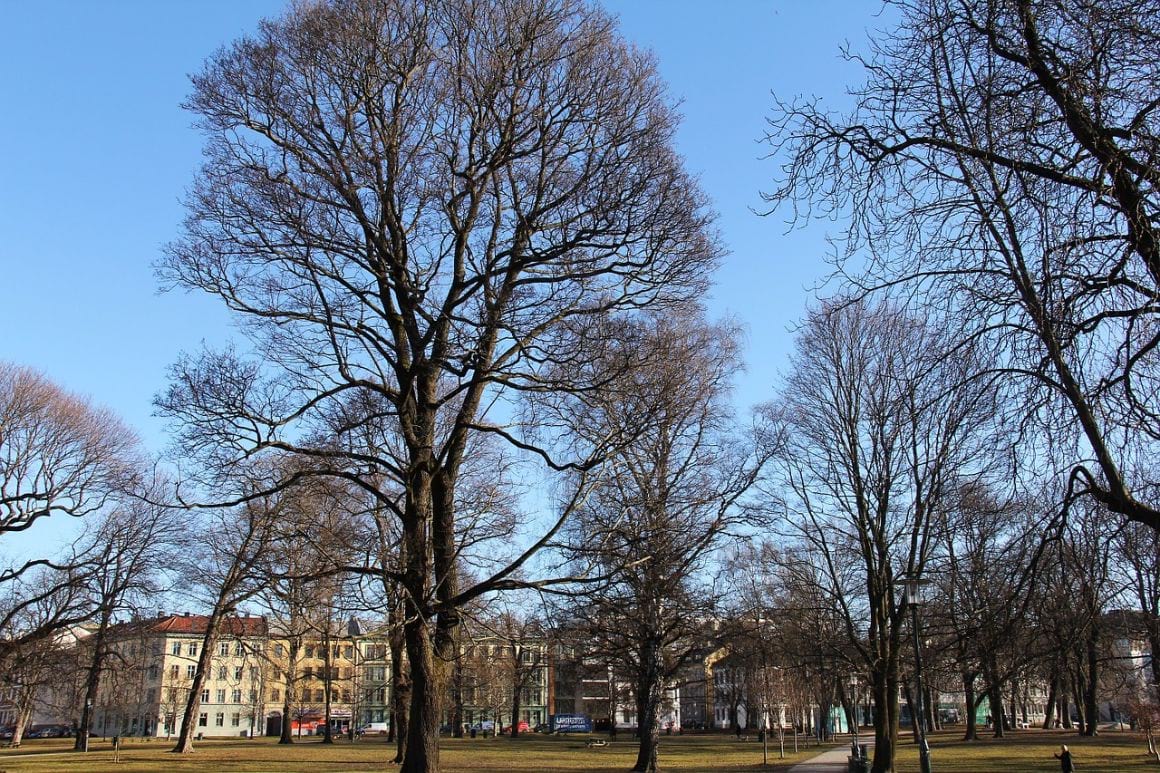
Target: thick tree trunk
x=1091 y=692
x=885 y=691
x=287 y=734
x=972 y=703
x=421 y=754
x=648 y=700
x=1052 y=696
x=998 y=715
x=23 y=714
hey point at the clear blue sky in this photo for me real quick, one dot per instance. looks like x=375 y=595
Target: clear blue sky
x=95 y=153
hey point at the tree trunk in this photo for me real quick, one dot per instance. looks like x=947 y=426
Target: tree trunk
x=1091 y=692
x=287 y=734
x=995 y=702
x=885 y=689
x=648 y=701
x=421 y=752
x=908 y=695
x=516 y=700
x=327 y=680
x=93 y=680
x=972 y=703
x=23 y=714
x=1052 y=697
x=193 y=703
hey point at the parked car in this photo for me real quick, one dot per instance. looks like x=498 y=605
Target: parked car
x=543 y=727
x=374 y=728
x=522 y=725
x=49 y=731
x=486 y=726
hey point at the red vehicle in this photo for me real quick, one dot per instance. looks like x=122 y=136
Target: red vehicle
x=522 y=725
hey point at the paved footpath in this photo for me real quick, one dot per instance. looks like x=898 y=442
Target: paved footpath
x=832 y=761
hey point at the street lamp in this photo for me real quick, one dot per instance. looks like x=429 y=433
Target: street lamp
x=854 y=723
x=913 y=600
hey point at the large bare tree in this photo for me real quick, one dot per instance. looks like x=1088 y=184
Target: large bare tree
x=1000 y=160
x=878 y=419
x=417 y=209
x=661 y=507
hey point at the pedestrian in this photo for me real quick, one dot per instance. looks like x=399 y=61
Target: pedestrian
x=1065 y=763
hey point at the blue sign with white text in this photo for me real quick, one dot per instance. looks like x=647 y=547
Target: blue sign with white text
x=570 y=723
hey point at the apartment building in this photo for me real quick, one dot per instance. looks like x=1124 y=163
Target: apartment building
x=146 y=686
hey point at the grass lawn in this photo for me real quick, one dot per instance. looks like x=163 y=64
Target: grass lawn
x=1029 y=751
x=538 y=753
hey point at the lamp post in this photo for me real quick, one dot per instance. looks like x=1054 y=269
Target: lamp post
x=854 y=722
x=88 y=724
x=913 y=600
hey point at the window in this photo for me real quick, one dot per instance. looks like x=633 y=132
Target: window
x=345 y=695
x=202 y=719
x=192 y=649
x=318 y=696
x=309 y=650
x=221 y=696
x=278 y=649
x=190 y=672
x=277 y=673
x=176 y=648
x=219 y=719
x=237 y=696
x=348 y=652
x=171 y=696
x=235 y=719
x=205 y=696
x=154 y=671
x=174 y=670
x=221 y=673
x=253 y=696
x=275 y=694
x=307 y=672
x=224 y=648
x=238 y=650
x=237 y=673
x=253 y=673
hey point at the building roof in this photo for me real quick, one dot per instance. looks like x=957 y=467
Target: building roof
x=197 y=624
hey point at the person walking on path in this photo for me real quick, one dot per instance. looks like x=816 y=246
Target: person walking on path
x=1065 y=763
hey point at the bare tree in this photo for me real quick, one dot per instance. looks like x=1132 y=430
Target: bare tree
x=660 y=508
x=128 y=551
x=877 y=420
x=229 y=568
x=1001 y=162
x=58 y=456
x=421 y=204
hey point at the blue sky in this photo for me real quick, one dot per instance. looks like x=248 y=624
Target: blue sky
x=95 y=154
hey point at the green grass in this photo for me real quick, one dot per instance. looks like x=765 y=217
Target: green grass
x=1029 y=751
x=542 y=754
x=1023 y=752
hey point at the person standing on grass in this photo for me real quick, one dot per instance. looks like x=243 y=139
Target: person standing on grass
x=1064 y=757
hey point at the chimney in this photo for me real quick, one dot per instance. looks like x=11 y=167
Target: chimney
x=161 y=613
x=185 y=614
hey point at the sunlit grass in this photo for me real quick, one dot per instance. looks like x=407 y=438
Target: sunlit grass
x=1029 y=751
x=543 y=754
